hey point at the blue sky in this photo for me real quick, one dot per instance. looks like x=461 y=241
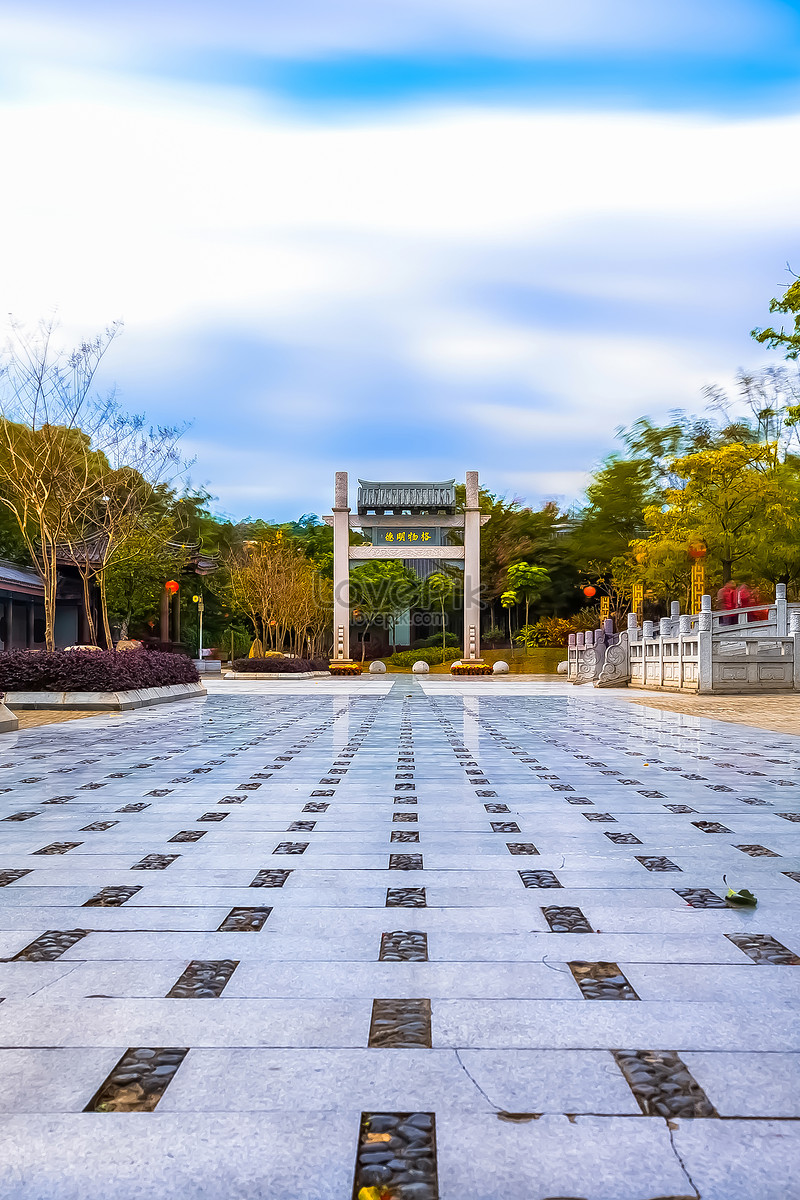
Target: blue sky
x=402 y=237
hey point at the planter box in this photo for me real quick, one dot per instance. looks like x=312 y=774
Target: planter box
x=118 y=701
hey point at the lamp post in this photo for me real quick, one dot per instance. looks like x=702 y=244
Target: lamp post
x=200 y=607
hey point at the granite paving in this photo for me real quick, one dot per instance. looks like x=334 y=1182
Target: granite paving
x=222 y=978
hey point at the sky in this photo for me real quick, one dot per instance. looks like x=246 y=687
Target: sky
x=403 y=238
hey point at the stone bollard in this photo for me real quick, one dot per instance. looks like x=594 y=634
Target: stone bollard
x=377 y=668
x=420 y=668
x=500 y=667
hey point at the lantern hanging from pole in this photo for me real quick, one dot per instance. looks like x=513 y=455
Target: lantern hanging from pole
x=697 y=550
x=172 y=586
x=589 y=591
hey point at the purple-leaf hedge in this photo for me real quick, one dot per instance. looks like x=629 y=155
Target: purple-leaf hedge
x=92 y=670
x=275 y=663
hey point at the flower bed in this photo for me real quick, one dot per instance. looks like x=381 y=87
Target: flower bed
x=467 y=668
x=279 y=665
x=98 y=671
x=340 y=668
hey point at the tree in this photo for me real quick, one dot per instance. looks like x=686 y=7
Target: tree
x=789 y=304
x=728 y=498
x=48 y=420
x=529 y=582
x=381 y=591
x=438 y=589
x=509 y=600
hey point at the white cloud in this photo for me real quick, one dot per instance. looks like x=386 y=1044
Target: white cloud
x=388 y=248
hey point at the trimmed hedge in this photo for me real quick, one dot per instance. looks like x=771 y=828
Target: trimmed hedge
x=92 y=671
x=277 y=663
x=431 y=655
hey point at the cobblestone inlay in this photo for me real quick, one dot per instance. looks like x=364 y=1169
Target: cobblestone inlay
x=496 y=808
x=140 y=806
x=406 y=800
x=601 y=981
x=656 y=862
x=405 y=835
x=662 y=1084
x=505 y=827
x=203 y=980
x=405 y=862
x=244 y=920
x=679 y=808
x=794 y=875
x=764 y=949
x=397 y=1023
x=316 y=806
x=790 y=816
x=65 y=800
x=291 y=848
x=112 y=897
x=160 y=792
x=700 y=897
x=49 y=945
x=404 y=818
x=98 y=826
x=758 y=851
x=213 y=816
x=323 y=792
x=566 y=919
x=189 y=835
x=521 y=848
x=12 y=875
x=58 y=848
x=606 y=817
x=404 y=946
x=623 y=839
x=411 y=897
x=397 y=1155
x=138 y=1081
x=21 y=816
x=539 y=879
x=711 y=827
x=270 y=877
x=155 y=862
x=754 y=800
x=232 y=800
x=579 y=800
x=301 y=827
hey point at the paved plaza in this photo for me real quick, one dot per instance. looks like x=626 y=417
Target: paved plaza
x=456 y=939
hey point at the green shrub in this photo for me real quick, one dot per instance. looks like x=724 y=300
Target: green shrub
x=407 y=658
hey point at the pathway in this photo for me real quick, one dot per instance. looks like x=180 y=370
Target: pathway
x=462 y=938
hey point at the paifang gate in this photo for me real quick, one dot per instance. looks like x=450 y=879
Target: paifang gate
x=408 y=521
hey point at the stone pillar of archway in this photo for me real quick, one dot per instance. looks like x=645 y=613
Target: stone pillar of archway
x=472 y=571
x=341 y=570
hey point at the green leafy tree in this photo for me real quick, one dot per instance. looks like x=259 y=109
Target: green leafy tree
x=380 y=592
x=438 y=589
x=529 y=582
x=509 y=600
x=783 y=339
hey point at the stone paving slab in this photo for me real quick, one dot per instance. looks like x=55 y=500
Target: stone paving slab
x=520 y=1068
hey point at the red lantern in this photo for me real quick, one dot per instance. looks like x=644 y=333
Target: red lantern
x=172 y=587
x=589 y=591
x=697 y=550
